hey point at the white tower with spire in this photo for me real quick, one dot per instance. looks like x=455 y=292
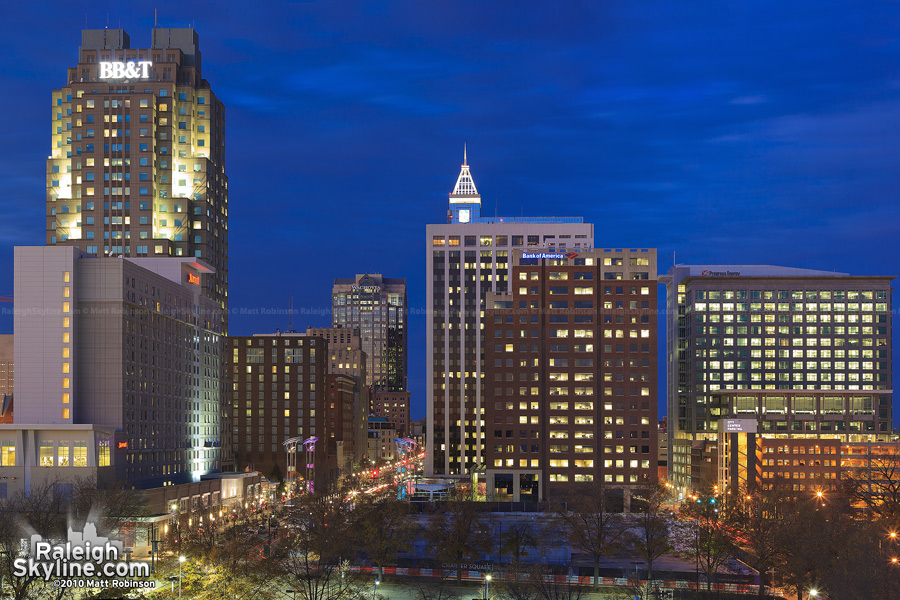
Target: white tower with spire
x=465 y=201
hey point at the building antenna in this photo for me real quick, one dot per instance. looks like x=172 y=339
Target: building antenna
x=155 y=18
x=291 y=313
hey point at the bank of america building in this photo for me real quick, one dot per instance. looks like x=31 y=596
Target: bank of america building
x=761 y=327
x=468 y=256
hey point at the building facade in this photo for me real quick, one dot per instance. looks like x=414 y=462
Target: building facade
x=762 y=327
x=393 y=406
x=807 y=440
x=137 y=161
x=279 y=392
x=571 y=373
x=7 y=377
x=375 y=306
x=7 y=368
x=345 y=357
x=469 y=256
x=131 y=344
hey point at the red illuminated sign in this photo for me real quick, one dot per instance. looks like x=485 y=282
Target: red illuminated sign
x=123 y=445
x=195 y=279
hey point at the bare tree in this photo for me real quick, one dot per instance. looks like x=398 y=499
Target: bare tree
x=312 y=555
x=382 y=529
x=456 y=533
x=711 y=544
x=756 y=519
x=551 y=586
x=878 y=487
x=651 y=540
x=431 y=589
x=589 y=524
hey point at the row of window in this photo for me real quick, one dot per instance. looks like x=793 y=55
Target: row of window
x=793 y=307
x=789 y=294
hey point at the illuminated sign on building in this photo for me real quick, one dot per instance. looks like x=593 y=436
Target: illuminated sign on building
x=706 y=273
x=543 y=255
x=125 y=70
x=366 y=288
x=737 y=426
x=195 y=279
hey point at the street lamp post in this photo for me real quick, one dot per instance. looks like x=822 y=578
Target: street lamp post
x=181 y=560
x=487 y=586
x=375 y=587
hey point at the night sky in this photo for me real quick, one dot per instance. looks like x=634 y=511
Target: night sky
x=724 y=132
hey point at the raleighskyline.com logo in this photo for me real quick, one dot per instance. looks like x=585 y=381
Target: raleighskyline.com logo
x=85 y=555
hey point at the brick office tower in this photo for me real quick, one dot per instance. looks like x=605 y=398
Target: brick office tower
x=469 y=256
x=280 y=391
x=137 y=159
x=571 y=373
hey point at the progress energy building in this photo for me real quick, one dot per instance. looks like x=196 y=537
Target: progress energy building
x=761 y=327
x=469 y=256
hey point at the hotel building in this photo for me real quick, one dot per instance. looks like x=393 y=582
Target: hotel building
x=280 y=391
x=375 y=306
x=136 y=166
x=759 y=327
x=469 y=256
x=127 y=345
x=571 y=373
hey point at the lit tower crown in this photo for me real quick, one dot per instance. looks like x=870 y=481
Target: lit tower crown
x=465 y=201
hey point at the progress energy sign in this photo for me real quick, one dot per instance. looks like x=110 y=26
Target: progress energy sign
x=85 y=560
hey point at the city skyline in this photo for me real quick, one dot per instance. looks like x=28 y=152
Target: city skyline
x=722 y=136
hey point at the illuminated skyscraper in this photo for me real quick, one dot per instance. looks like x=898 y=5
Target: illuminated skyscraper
x=468 y=256
x=763 y=327
x=376 y=306
x=137 y=159
x=136 y=169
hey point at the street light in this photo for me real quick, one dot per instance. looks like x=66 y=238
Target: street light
x=375 y=587
x=487 y=586
x=814 y=593
x=181 y=560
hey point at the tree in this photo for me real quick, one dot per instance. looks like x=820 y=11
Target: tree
x=456 y=533
x=878 y=488
x=651 y=540
x=312 y=554
x=383 y=528
x=711 y=542
x=812 y=539
x=431 y=589
x=547 y=587
x=517 y=541
x=589 y=524
x=756 y=520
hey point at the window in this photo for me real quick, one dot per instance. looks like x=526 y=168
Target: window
x=46 y=454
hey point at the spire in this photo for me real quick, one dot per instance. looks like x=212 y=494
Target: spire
x=465 y=186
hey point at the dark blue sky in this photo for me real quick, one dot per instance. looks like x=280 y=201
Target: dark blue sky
x=730 y=132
